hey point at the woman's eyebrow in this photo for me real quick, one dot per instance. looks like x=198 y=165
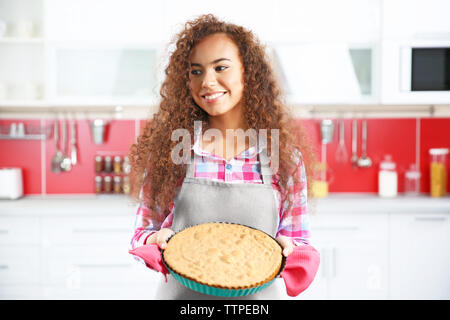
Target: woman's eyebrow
x=193 y=64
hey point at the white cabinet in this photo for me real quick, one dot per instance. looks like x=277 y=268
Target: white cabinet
x=19 y=230
x=80 y=53
x=325 y=72
x=410 y=24
x=354 y=261
x=82 y=252
x=415 y=19
x=113 y=52
x=87 y=257
x=106 y=21
x=419 y=255
x=98 y=230
x=22 y=74
x=71 y=257
x=20 y=261
x=323 y=57
x=347 y=20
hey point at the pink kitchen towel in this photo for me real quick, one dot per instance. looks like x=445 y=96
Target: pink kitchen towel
x=151 y=255
x=300 y=269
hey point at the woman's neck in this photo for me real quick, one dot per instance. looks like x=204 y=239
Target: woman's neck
x=227 y=146
x=232 y=120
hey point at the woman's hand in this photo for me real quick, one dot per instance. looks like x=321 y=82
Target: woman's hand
x=160 y=237
x=287 y=244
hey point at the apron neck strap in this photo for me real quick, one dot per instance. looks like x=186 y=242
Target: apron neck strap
x=190 y=166
x=266 y=172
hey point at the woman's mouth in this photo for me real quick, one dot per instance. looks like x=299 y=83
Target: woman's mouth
x=210 y=98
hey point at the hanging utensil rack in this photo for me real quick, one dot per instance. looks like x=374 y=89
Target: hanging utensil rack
x=30 y=132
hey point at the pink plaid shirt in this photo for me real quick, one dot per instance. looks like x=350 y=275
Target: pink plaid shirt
x=243 y=168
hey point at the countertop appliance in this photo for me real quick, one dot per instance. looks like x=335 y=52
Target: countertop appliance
x=416 y=71
x=429 y=69
x=11 y=183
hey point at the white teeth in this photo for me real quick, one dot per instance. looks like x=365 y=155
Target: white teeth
x=214 y=96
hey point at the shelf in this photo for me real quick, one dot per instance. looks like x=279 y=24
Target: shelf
x=24 y=137
x=13 y=40
x=22 y=103
x=28 y=132
x=78 y=102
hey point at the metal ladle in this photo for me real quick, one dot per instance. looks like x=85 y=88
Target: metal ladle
x=364 y=161
x=354 y=159
x=57 y=158
x=66 y=163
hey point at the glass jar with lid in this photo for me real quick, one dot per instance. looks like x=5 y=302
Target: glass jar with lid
x=387 y=178
x=412 y=181
x=438 y=171
x=117 y=165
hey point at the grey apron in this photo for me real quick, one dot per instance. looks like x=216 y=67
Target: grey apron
x=203 y=200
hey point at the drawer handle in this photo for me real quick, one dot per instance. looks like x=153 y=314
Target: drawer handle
x=4 y=267
x=80 y=230
x=343 y=228
x=93 y=266
x=422 y=218
x=4 y=231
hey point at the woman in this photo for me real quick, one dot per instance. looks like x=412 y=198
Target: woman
x=219 y=76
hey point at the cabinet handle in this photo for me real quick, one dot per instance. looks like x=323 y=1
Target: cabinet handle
x=81 y=230
x=324 y=262
x=435 y=218
x=4 y=267
x=328 y=262
x=92 y=266
x=4 y=231
x=333 y=258
x=343 y=228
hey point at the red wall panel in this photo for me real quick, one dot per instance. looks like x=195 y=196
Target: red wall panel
x=25 y=154
x=384 y=136
x=397 y=137
x=434 y=133
x=120 y=135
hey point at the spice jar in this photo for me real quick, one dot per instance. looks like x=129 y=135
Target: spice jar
x=107 y=186
x=98 y=164
x=387 y=178
x=412 y=181
x=126 y=185
x=98 y=184
x=108 y=164
x=117 y=184
x=117 y=165
x=126 y=167
x=438 y=171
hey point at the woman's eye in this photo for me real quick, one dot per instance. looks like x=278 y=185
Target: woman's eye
x=196 y=72
x=221 y=68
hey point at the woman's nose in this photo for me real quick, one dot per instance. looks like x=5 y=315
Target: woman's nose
x=209 y=79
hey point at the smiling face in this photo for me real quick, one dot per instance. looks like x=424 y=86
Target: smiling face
x=216 y=75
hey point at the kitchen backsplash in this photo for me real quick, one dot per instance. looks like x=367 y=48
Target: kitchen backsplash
x=407 y=140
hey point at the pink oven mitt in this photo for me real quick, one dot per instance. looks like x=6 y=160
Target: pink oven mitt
x=300 y=269
x=151 y=255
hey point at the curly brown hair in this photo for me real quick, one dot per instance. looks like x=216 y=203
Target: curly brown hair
x=262 y=101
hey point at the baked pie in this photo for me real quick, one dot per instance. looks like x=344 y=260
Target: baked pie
x=224 y=255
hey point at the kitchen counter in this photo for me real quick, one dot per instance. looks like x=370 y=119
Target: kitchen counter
x=69 y=205
x=122 y=205
x=365 y=202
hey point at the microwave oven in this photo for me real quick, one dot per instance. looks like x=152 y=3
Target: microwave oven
x=425 y=69
x=416 y=72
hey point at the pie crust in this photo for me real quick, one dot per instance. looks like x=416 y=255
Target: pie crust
x=224 y=255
